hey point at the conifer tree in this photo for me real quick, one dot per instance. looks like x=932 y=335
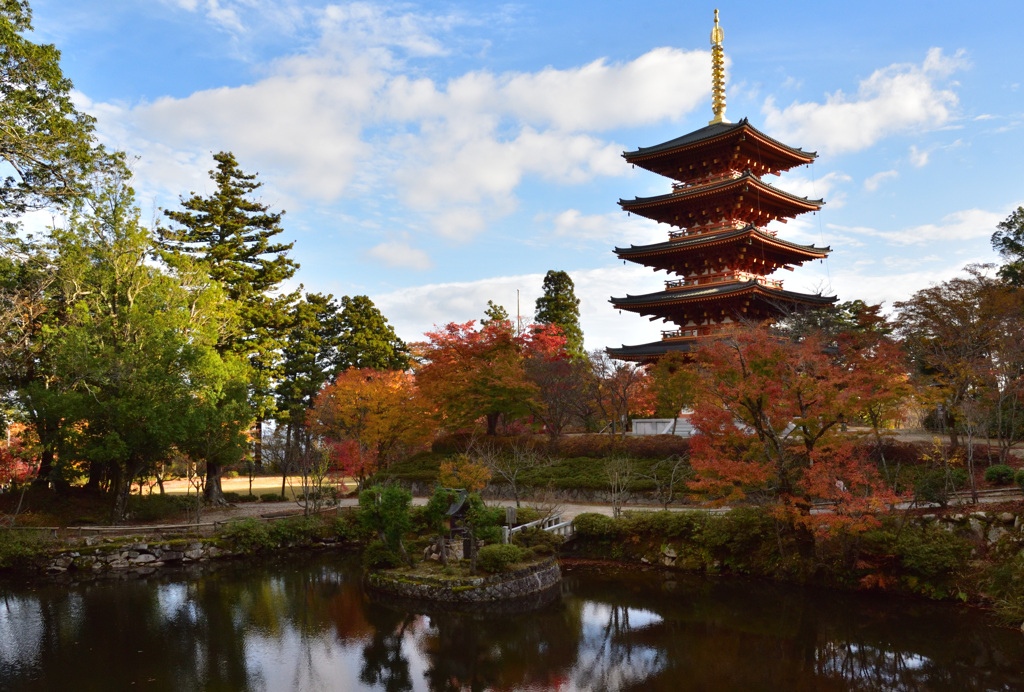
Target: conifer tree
x=232 y=235
x=494 y=313
x=560 y=306
x=366 y=339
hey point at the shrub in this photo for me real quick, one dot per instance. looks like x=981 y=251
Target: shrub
x=248 y=535
x=297 y=531
x=934 y=485
x=1019 y=478
x=932 y=552
x=273 y=497
x=498 y=557
x=18 y=548
x=378 y=555
x=540 y=542
x=999 y=474
x=592 y=525
x=159 y=507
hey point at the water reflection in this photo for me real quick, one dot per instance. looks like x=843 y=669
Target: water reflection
x=309 y=626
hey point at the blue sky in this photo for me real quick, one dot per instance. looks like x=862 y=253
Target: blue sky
x=435 y=156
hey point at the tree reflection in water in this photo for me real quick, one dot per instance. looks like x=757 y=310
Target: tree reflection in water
x=309 y=626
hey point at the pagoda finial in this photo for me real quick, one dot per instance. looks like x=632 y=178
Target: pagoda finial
x=717 y=74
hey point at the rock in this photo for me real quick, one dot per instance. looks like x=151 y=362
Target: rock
x=172 y=556
x=56 y=569
x=194 y=554
x=91 y=540
x=143 y=559
x=669 y=553
x=119 y=564
x=995 y=533
x=928 y=517
x=1006 y=517
x=138 y=546
x=977 y=528
x=644 y=561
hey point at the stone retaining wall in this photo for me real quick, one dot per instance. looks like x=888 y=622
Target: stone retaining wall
x=498 y=587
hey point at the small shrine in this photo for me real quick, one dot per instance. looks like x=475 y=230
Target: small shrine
x=719 y=247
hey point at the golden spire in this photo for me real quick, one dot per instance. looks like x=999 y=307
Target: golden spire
x=717 y=74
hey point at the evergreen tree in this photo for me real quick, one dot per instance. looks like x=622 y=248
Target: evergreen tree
x=309 y=361
x=560 y=306
x=1008 y=241
x=232 y=235
x=366 y=339
x=45 y=141
x=494 y=313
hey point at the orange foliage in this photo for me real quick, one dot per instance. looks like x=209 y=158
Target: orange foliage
x=463 y=472
x=370 y=417
x=769 y=413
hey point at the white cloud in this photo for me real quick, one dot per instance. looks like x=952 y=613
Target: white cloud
x=418 y=309
x=893 y=99
x=958 y=226
x=919 y=158
x=872 y=183
x=825 y=187
x=400 y=254
x=602 y=229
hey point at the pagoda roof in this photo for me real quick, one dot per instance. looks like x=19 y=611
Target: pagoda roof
x=767 y=202
x=666 y=158
x=650 y=352
x=635 y=253
x=704 y=293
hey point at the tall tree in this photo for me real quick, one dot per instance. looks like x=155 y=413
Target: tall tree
x=673 y=379
x=560 y=306
x=494 y=313
x=46 y=142
x=769 y=413
x=1008 y=241
x=366 y=340
x=137 y=352
x=471 y=373
x=233 y=236
x=309 y=361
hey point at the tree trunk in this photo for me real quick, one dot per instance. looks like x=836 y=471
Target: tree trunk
x=213 y=491
x=492 y=423
x=42 y=479
x=257 y=447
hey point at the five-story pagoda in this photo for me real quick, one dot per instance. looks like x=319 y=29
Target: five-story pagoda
x=721 y=250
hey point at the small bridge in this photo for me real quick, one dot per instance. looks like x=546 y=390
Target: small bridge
x=551 y=524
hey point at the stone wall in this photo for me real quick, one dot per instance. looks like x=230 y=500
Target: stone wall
x=980 y=527
x=498 y=587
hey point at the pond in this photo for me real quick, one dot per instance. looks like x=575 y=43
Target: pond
x=306 y=624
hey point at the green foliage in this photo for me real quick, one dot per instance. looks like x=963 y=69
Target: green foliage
x=935 y=485
x=494 y=313
x=1008 y=241
x=148 y=508
x=597 y=526
x=1019 y=478
x=932 y=552
x=999 y=474
x=248 y=536
x=299 y=531
x=1005 y=584
x=366 y=340
x=46 y=141
x=499 y=557
x=560 y=306
x=377 y=555
x=385 y=511
x=18 y=548
x=538 y=541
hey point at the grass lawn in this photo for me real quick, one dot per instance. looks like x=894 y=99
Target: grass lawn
x=261 y=485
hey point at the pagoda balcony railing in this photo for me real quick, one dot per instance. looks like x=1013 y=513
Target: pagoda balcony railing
x=679 y=333
x=738 y=276
x=687 y=232
x=731 y=175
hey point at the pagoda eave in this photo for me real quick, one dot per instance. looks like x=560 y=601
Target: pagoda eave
x=745 y=198
x=651 y=352
x=716 y=146
x=698 y=251
x=727 y=301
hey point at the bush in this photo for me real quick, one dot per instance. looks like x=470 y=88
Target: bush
x=273 y=497
x=297 y=531
x=933 y=556
x=1019 y=479
x=159 y=507
x=935 y=485
x=538 y=541
x=378 y=555
x=18 y=548
x=248 y=536
x=999 y=474
x=592 y=525
x=498 y=557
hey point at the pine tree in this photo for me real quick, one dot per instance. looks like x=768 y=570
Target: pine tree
x=367 y=340
x=232 y=235
x=560 y=306
x=494 y=313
